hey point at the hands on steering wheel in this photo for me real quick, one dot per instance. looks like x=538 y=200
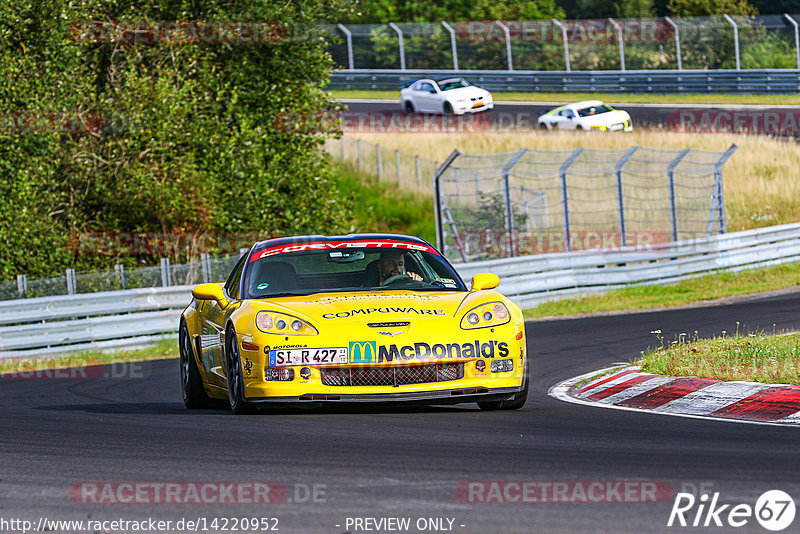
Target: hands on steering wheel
x=397 y=277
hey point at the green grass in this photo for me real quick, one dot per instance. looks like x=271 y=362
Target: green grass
x=767 y=100
x=752 y=357
x=686 y=292
x=167 y=347
x=382 y=207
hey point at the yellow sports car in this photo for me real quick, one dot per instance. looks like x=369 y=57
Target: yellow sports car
x=367 y=317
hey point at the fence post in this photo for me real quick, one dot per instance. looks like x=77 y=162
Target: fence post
x=399 y=33
x=677 y=41
x=165 y=278
x=341 y=148
x=437 y=197
x=796 y=38
x=397 y=163
x=70 y=281
x=673 y=208
x=360 y=154
x=452 y=43
x=508 y=43
x=623 y=232
x=419 y=172
x=621 y=45
x=564 y=197
x=349 y=37
x=507 y=193
x=119 y=272
x=723 y=223
x=379 y=161
x=566 y=41
x=735 y=39
x=205 y=267
x=22 y=285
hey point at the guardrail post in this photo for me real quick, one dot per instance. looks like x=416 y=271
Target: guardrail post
x=349 y=38
x=673 y=208
x=735 y=39
x=562 y=172
x=452 y=43
x=508 y=43
x=437 y=197
x=623 y=232
x=379 y=162
x=419 y=172
x=165 y=278
x=723 y=223
x=341 y=148
x=119 y=272
x=399 y=33
x=507 y=193
x=205 y=267
x=397 y=163
x=621 y=45
x=22 y=285
x=677 y=40
x=360 y=154
x=70 y=281
x=566 y=41
x=796 y=38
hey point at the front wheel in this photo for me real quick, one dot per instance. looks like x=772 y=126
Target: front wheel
x=514 y=403
x=194 y=395
x=448 y=109
x=234 y=375
x=408 y=107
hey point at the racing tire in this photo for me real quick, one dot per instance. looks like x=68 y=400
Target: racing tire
x=194 y=395
x=543 y=126
x=234 y=375
x=408 y=107
x=448 y=109
x=514 y=403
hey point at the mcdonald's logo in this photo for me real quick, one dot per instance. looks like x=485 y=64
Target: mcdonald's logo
x=362 y=351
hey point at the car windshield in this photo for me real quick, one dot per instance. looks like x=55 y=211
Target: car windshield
x=347 y=269
x=458 y=83
x=594 y=110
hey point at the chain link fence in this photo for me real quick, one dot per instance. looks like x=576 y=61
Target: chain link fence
x=717 y=42
x=537 y=201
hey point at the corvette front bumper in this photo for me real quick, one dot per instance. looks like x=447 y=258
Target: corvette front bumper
x=451 y=396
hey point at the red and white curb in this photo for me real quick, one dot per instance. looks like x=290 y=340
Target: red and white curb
x=627 y=388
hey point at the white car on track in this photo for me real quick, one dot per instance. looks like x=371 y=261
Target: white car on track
x=589 y=115
x=451 y=96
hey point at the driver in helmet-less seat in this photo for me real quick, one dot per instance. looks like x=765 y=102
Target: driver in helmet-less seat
x=392 y=263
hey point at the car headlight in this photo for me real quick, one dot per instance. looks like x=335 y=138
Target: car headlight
x=283 y=324
x=463 y=101
x=485 y=315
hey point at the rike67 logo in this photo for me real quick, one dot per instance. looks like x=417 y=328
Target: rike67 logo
x=774 y=510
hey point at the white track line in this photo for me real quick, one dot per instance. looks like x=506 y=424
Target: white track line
x=560 y=391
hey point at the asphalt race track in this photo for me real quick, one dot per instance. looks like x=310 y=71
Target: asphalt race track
x=514 y=115
x=55 y=433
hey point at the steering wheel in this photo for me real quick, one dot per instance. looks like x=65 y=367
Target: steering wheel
x=395 y=278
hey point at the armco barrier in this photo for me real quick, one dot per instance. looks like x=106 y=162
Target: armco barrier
x=764 y=81
x=120 y=318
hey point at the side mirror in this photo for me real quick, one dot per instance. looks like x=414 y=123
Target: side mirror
x=485 y=281
x=210 y=292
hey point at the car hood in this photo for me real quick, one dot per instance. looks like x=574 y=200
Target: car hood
x=605 y=119
x=378 y=306
x=465 y=92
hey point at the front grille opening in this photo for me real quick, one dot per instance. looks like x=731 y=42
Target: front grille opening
x=391 y=375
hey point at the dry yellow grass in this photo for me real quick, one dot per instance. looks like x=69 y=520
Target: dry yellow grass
x=761 y=181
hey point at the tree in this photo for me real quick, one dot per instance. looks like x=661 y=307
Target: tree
x=706 y=8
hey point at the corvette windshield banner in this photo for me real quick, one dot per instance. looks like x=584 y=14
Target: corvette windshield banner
x=339 y=245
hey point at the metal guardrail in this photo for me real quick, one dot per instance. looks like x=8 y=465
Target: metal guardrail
x=84 y=322
x=613 y=81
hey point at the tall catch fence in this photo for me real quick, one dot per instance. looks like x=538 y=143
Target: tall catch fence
x=717 y=42
x=536 y=201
